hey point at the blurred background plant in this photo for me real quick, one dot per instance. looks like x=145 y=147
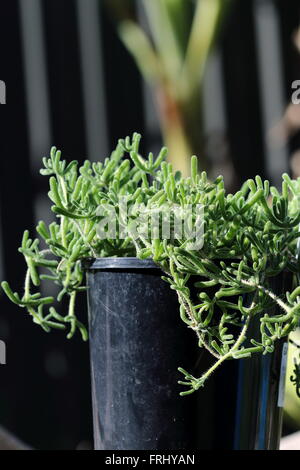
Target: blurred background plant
x=285 y=133
x=171 y=48
x=81 y=90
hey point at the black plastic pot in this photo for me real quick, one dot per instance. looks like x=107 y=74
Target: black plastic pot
x=137 y=341
x=260 y=390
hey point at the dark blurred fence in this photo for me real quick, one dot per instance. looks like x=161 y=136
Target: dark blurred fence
x=70 y=83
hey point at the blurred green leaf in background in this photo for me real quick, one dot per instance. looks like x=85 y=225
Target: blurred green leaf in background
x=171 y=52
x=291 y=405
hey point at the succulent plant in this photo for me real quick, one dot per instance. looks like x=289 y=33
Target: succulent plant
x=248 y=238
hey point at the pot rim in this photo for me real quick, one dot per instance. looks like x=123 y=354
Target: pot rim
x=118 y=263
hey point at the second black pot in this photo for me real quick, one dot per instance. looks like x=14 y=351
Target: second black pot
x=137 y=341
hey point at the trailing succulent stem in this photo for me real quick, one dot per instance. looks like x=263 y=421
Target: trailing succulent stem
x=224 y=284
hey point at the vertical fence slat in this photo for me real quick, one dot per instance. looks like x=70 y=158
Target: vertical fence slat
x=123 y=85
x=289 y=20
x=64 y=75
x=271 y=85
x=35 y=80
x=242 y=97
x=16 y=198
x=88 y=14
